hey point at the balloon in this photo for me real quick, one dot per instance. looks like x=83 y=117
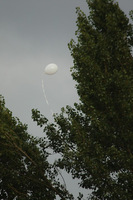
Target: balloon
x=51 y=69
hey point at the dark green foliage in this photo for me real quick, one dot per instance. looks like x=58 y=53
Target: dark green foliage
x=24 y=170
x=95 y=138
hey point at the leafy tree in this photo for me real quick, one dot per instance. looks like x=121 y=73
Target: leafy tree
x=24 y=170
x=95 y=138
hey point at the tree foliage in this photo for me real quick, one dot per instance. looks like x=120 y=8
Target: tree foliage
x=95 y=138
x=25 y=172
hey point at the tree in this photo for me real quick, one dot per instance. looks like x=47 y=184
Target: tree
x=95 y=138
x=24 y=169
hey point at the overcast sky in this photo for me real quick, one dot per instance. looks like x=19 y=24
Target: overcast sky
x=34 y=33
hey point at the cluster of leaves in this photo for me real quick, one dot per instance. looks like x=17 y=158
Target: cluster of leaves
x=95 y=137
x=25 y=172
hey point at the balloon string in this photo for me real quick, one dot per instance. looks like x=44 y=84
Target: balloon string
x=44 y=93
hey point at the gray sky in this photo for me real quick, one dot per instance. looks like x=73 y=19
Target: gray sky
x=34 y=33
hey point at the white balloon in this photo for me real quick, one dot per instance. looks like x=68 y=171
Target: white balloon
x=51 y=69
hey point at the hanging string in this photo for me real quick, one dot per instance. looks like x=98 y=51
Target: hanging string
x=45 y=97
